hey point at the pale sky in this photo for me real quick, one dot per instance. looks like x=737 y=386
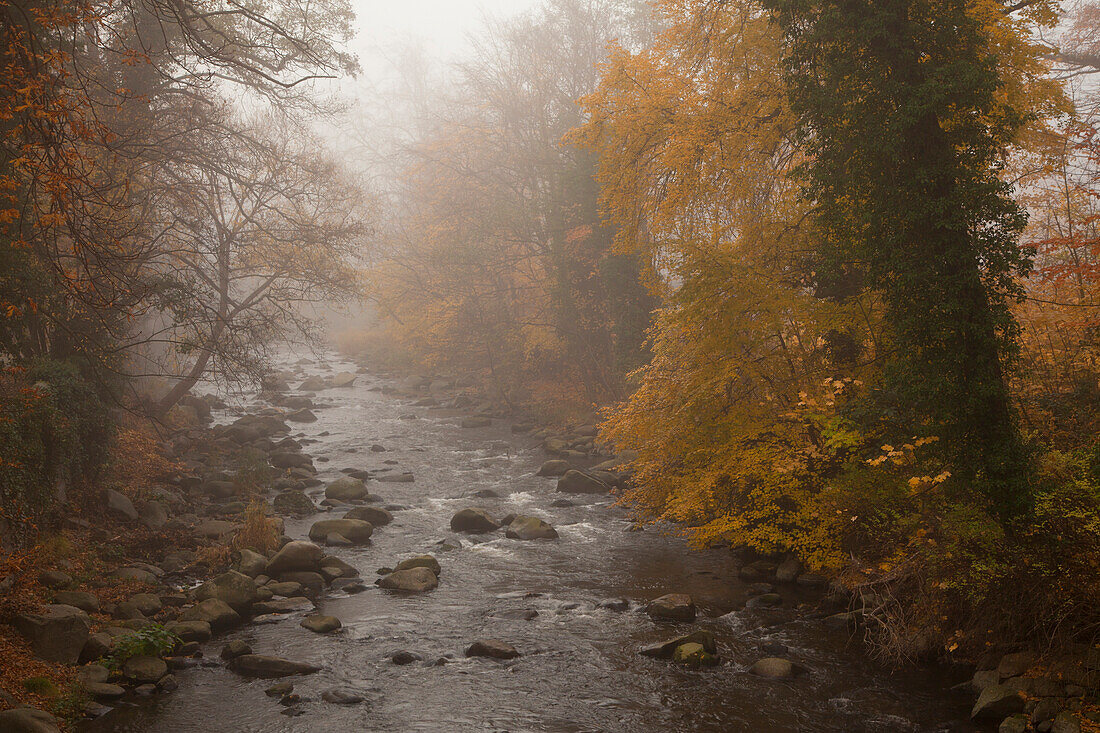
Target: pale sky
x=442 y=25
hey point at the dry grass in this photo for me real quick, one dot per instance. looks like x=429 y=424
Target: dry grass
x=258 y=531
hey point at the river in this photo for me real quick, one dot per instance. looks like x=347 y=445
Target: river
x=580 y=669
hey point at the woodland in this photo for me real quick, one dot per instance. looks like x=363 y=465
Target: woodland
x=825 y=273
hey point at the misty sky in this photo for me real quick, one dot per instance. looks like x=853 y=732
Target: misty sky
x=441 y=25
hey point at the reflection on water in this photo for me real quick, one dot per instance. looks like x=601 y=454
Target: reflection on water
x=580 y=670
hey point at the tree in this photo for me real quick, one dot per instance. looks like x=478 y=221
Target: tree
x=259 y=227
x=903 y=114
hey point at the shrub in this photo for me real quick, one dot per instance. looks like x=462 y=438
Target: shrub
x=152 y=641
x=55 y=433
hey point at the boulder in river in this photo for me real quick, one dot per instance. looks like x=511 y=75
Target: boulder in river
x=144 y=669
x=554 y=467
x=297 y=555
x=579 y=482
x=354 y=530
x=493 y=648
x=773 y=668
x=997 y=702
x=420 y=561
x=693 y=655
x=260 y=665
x=293 y=502
x=346 y=489
x=320 y=624
x=199 y=631
x=57 y=633
x=672 y=607
x=289 y=459
x=377 y=516
x=412 y=580
x=235 y=648
x=665 y=650
x=312 y=384
x=214 y=612
x=343 y=380
x=237 y=590
x=474 y=521
x=530 y=528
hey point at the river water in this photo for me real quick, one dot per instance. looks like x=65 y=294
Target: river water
x=580 y=669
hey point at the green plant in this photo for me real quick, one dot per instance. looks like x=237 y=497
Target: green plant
x=152 y=641
x=41 y=686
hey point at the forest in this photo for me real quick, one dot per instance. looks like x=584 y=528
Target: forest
x=811 y=287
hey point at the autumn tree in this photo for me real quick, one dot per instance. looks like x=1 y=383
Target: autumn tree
x=903 y=117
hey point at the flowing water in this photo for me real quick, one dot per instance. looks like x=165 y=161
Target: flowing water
x=580 y=669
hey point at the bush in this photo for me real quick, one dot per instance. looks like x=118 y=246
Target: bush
x=55 y=432
x=152 y=641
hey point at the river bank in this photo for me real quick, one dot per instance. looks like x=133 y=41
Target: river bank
x=574 y=608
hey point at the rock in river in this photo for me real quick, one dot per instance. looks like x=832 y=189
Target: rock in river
x=321 y=624
x=260 y=665
x=693 y=655
x=354 y=530
x=413 y=580
x=578 y=482
x=530 y=528
x=236 y=590
x=296 y=555
x=475 y=521
x=346 y=489
x=672 y=607
x=216 y=613
x=492 y=648
x=554 y=467
x=420 y=561
x=375 y=515
x=773 y=668
x=143 y=669
x=705 y=639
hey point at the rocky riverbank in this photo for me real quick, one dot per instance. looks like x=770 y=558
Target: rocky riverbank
x=189 y=588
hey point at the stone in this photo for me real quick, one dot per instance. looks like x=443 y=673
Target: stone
x=773 y=668
x=997 y=702
x=153 y=514
x=578 y=482
x=56 y=634
x=236 y=590
x=530 y=528
x=219 y=489
x=293 y=502
x=55 y=579
x=168 y=683
x=333 y=567
x=788 y=570
x=420 y=561
x=104 y=690
x=553 y=467
x=149 y=604
x=96 y=647
x=704 y=639
x=215 y=612
x=302 y=415
x=120 y=505
x=984 y=678
x=354 y=530
x=313 y=584
x=405 y=657
x=672 y=607
x=1015 y=664
x=199 y=631
x=319 y=624
x=312 y=384
x=215 y=529
x=134 y=573
x=250 y=563
x=235 y=648
x=346 y=489
x=143 y=669
x=397 y=478
x=1066 y=722
x=1044 y=710
x=413 y=580
x=297 y=555
x=474 y=521
x=282 y=605
x=693 y=655
x=260 y=665
x=279 y=689
x=377 y=516
x=493 y=648
x=28 y=720
x=286 y=459
x=343 y=380
x=338 y=696
x=77 y=599
x=1015 y=724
